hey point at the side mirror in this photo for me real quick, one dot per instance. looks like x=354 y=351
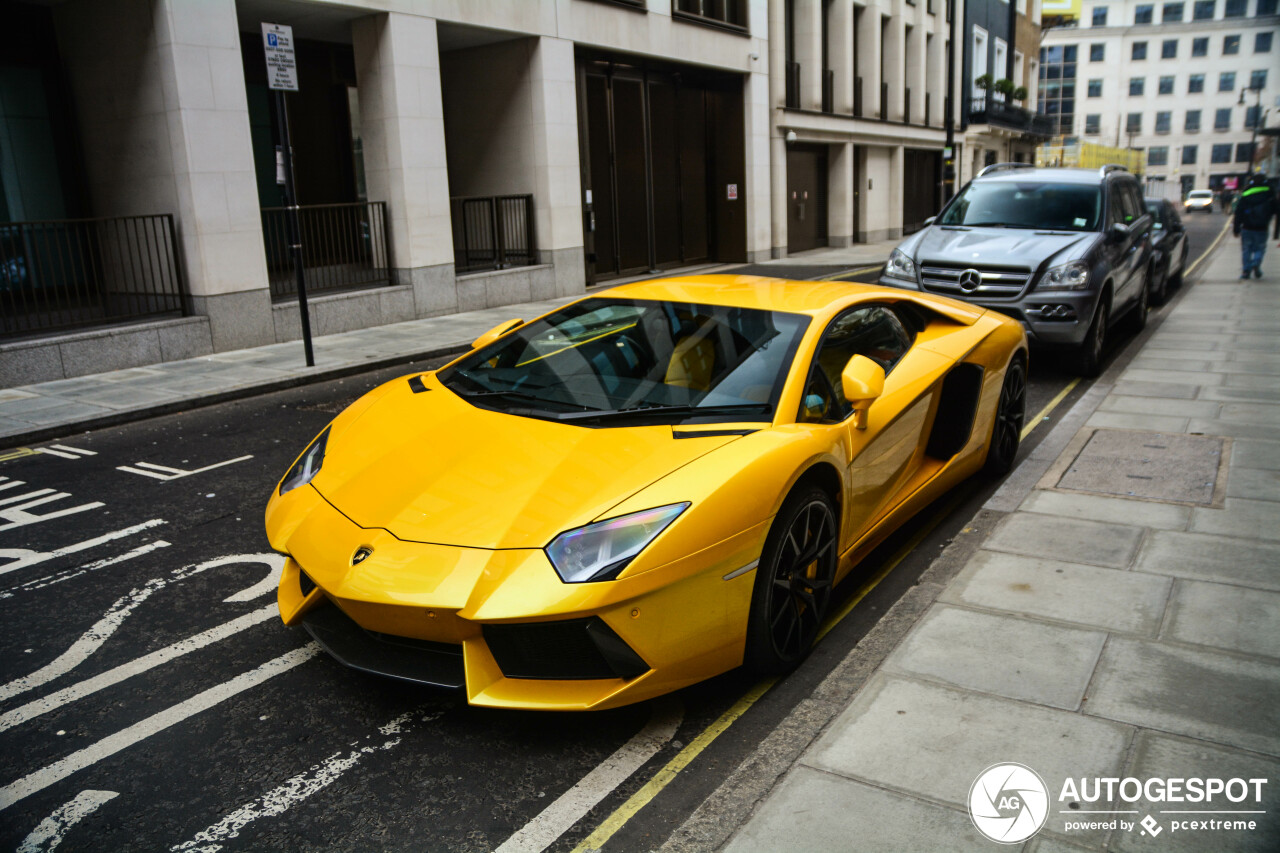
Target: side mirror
x=930 y=221
x=495 y=333
x=862 y=381
x=1117 y=232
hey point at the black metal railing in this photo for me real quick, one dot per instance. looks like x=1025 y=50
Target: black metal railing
x=344 y=247
x=73 y=273
x=906 y=105
x=988 y=110
x=828 y=91
x=493 y=232
x=793 y=85
x=884 y=101
x=857 y=97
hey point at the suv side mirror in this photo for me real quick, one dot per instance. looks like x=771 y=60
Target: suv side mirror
x=1117 y=232
x=930 y=221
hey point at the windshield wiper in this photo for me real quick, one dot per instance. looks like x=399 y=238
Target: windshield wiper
x=642 y=412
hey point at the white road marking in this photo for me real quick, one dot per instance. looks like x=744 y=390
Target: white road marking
x=556 y=819
x=295 y=789
x=37 y=493
x=125 y=671
x=78 y=450
x=64 y=452
x=69 y=574
x=49 y=833
x=91 y=640
x=37 y=781
x=17 y=516
x=173 y=473
x=21 y=558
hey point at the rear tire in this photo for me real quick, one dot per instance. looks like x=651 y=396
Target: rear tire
x=1137 y=318
x=1011 y=414
x=1089 y=356
x=793 y=583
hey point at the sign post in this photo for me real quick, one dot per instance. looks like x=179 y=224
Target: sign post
x=282 y=76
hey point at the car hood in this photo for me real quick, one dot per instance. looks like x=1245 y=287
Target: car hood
x=1002 y=246
x=430 y=467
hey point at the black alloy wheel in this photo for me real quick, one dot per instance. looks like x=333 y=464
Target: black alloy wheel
x=1011 y=415
x=1089 y=356
x=1159 y=284
x=793 y=583
x=1142 y=305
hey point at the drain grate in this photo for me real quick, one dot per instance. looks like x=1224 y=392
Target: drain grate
x=1150 y=465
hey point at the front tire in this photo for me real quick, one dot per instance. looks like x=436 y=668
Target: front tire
x=1142 y=305
x=1011 y=415
x=1089 y=356
x=793 y=583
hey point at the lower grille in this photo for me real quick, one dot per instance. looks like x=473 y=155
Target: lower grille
x=404 y=658
x=572 y=650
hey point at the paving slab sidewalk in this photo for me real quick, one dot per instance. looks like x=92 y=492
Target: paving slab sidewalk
x=1084 y=633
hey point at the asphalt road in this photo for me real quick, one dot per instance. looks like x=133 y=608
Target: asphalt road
x=151 y=700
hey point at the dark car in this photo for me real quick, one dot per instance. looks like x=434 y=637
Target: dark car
x=1065 y=251
x=1168 y=249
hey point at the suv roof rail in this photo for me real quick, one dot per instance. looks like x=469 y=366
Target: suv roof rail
x=1002 y=167
x=1109 y=168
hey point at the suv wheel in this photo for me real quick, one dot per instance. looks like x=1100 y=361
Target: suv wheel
x=1142 y=305
x=1089 y=356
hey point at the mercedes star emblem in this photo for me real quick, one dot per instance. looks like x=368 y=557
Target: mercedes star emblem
x=970 y=280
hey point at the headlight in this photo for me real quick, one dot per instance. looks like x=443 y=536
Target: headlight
x=900 y=266
x=307 y=466
x=1072 y=276
x=599 y=551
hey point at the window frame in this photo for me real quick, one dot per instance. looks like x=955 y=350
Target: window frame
x=743 y=29
x=837 y=392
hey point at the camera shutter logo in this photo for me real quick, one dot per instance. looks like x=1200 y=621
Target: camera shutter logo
x=1008 y=802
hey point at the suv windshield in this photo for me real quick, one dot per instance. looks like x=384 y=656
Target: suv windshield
x=636 y=361
x=1016 y=204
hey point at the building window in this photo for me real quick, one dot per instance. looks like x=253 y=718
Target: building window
x=1133 y=123
x=1099 y=16
x=1258 y=79
x=1171 y=13
x=1142 y=14
x=731 y=14
x=1244 y=152
x=1193 y=121
x=1158 y=155
x=1188 y=155
x=1169 y=49
x=1203 y=10
x=1163 y=120
x=1091 y=123
x=1200 y=47
x=1231 y=45
x=1166 y=85
x=1227 y=81
x=1195 y=83
x=1220 y=153
x=1136 y=85
x=1266 y=7
x=1234 y=9
x=1262 y=43
x=1222 y=119
x=1139 y=50
x=1251 y=116
x=1095 y=88
x=1098 y=52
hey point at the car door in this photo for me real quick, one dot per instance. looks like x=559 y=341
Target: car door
x=882 y=457
x=1126 y=209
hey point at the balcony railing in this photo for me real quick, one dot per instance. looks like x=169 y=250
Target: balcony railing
x=988 y=110
x=793 y=85
x=493 y=232
x=344 y=247
x=73 y=273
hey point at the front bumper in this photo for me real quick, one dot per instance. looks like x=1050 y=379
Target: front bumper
x=1055 y=319
x=501 y=624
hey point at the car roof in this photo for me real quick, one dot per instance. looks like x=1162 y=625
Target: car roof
x=1200 y=192
x=1062 y=176
x=745 y=291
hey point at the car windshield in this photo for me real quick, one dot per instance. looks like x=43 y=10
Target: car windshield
x=1200 y=194
x=1018 y=204
x=622 y=361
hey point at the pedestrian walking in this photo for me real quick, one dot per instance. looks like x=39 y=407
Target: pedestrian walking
x=1253 y=214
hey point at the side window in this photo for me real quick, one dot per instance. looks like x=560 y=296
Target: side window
x=1115 y=204
x=1130 y=203
x=873 y=331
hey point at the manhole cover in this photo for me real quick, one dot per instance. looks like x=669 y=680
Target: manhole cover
x=1155 y=466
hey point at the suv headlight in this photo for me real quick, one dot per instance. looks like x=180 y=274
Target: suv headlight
x=307 y=466
x=600 y=551
x=900 y=266
x=1072 y=276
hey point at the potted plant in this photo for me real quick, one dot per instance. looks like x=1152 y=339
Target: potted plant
x=1003 y=87
x=1020 y=94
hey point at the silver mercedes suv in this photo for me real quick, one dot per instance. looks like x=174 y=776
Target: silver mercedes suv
x=1065 y=251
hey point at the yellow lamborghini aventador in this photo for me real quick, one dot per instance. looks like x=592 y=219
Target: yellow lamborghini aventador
x=640 y=490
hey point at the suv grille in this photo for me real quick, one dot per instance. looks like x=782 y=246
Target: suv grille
x=952 y=280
